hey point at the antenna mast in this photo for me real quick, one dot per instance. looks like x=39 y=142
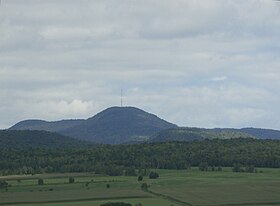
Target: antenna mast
x=121 y=97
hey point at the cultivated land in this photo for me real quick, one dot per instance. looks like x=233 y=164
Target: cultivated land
x=184 y=187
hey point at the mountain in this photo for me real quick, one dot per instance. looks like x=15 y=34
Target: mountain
x=192 y=133
x=33 y=139
x=114 y=125
x=118 y=125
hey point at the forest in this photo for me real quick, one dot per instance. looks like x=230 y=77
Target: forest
x=114 y=160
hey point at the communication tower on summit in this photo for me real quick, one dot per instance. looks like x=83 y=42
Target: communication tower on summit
x=121 y=97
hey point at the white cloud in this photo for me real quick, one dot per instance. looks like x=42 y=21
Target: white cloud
x=219 y=79
x=64 y=108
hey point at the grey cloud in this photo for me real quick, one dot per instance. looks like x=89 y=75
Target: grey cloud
x=195 y=63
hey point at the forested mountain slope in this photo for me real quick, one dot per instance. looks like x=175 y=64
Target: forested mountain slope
x=24 y=139
x=119 y=125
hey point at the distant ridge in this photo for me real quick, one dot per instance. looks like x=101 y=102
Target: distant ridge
x=25 y=139
x=115 y=125
x=41 y=125
x=128 y=125
x=193 y=133
x=262 y=133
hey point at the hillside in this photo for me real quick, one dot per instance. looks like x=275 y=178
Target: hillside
x=192 y=133
x=34 y=139
x=118 y=125
x=114 y=125
x=42 y=125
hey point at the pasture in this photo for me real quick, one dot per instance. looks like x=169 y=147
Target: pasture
x=173 y=187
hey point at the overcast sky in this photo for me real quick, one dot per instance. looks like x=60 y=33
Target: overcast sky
x=195 y=63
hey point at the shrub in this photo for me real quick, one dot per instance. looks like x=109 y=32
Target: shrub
x=71 y=180
x=220 y=169
x=153 y=175
x=40 y=181
x=144 y=186
x=3 y=184
x=140 y=178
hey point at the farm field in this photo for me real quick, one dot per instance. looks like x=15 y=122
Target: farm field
x=183 y=187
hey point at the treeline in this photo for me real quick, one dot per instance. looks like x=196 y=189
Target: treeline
x=114 y=160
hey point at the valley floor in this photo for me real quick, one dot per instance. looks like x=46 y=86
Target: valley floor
x=183 y=187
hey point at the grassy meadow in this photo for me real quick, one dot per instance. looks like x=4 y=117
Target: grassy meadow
x=173 y=187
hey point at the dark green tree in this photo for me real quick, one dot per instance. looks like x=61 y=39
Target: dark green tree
x=220 y=168
x=3 y=184
x=144 y=186
x=140 y=178
x=40 y=181
x=153 y=175
x=71 y=179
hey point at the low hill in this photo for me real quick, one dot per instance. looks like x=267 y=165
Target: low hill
x=36 y=139
x=262 y=133
x=41 y=125
x=192 y=133
x=114 y=125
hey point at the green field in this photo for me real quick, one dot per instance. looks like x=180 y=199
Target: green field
x=184 y=187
